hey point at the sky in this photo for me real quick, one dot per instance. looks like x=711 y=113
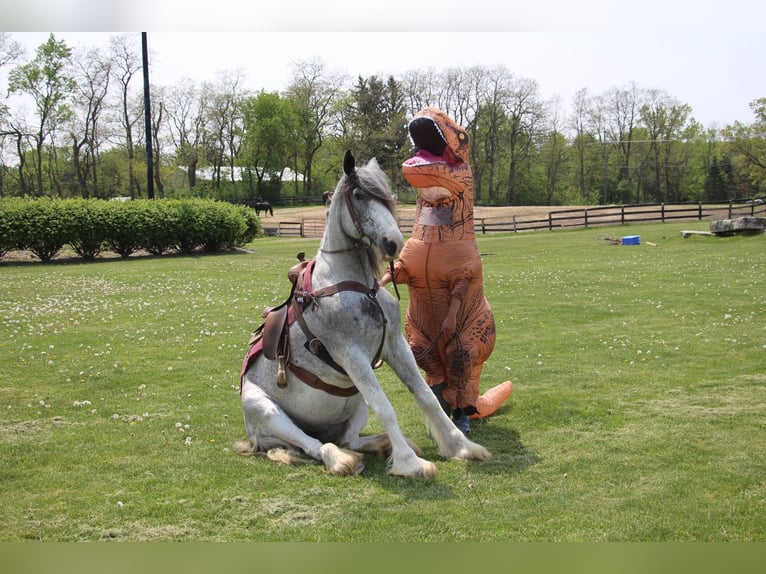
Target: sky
x=709 y=55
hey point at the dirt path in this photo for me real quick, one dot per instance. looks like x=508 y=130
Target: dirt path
x=408 y=212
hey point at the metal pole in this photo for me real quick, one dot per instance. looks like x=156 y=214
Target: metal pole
x=147 y=120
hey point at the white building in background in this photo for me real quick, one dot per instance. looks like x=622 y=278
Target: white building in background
x=206 y=173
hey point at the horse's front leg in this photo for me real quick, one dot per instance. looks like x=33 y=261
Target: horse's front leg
x=403 y=461
x=451 y=442
x=378 y=444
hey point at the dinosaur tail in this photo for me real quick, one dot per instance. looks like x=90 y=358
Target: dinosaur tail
x=490 y=401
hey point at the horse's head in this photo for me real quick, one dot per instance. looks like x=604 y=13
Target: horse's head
x=439 y=170
x=365 y=209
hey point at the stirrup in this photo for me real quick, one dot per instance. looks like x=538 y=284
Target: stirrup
x=281 y=374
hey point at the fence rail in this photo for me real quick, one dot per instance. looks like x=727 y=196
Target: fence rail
x=571 y=218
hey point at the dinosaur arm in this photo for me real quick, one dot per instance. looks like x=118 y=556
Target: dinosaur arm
x=400 y=274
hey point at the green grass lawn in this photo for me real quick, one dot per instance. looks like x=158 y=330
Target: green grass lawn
x=638 y=412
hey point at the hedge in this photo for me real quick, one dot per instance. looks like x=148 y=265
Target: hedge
x=92 y=226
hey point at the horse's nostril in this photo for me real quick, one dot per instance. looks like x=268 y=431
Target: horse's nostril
x=391 y=247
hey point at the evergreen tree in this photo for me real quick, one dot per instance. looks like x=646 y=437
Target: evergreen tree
x=716 y=184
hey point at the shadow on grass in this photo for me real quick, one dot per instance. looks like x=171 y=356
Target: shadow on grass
x=509 y=457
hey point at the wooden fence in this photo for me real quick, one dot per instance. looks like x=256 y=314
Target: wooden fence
x=570 y=218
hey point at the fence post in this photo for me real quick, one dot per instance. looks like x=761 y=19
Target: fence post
x=622 y=214
x=730 y=206
x=550 y=221
x=662 y=212
x=514 y=223
x=301 y=229
x=586 y=217
x=699 y=207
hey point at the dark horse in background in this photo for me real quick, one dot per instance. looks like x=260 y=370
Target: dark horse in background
x=263 y=205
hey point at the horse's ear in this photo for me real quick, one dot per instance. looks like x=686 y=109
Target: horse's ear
x=349 y=163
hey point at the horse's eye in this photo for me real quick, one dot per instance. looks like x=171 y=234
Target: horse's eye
x=360 y=195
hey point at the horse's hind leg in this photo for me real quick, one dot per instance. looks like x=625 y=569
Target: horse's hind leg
x=268 y=426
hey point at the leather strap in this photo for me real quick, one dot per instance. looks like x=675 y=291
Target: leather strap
x=313 y=381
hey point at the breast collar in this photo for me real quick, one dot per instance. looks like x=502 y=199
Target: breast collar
x=305 y=299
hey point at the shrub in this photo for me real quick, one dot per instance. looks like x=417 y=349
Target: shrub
x=90 y=226
x=224 y=226
x=253 y=227
x=160 y=229
x=42 y=229
x=125 y=226
x=188 y=218
x=10 y=224
x=86 y=220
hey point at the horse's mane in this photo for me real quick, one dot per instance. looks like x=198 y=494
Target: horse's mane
x=374 y=182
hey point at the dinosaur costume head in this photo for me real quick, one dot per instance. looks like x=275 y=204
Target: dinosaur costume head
x=439 y=170
x=441 y=176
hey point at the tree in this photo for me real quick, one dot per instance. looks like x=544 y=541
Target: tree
x=10 y=51
x=377 y=123
x=46 y=79
x=270 y=123
x=225 y=124
x=157 y=119
x=315 y=94
x=583 y=140
x=621 y=112
x=125 y=65
x=668 y=126
x=92 y=75
x=490 y=117
x=554 y=153
x=748 y=150
x=524 y=112
x=187 y=116
x=717 y=180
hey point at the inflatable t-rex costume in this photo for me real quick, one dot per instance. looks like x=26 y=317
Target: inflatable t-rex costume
x=449 y=323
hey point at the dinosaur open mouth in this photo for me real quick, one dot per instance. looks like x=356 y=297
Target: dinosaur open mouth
x=426 y=135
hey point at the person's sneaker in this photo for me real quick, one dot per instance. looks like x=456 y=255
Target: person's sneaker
x=462 y=422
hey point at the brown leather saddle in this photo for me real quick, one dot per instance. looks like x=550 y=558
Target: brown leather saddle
x=272 y=335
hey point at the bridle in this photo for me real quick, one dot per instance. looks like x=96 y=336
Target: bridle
x=363 y=242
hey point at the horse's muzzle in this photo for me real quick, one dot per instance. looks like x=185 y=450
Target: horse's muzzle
x=391 y=247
